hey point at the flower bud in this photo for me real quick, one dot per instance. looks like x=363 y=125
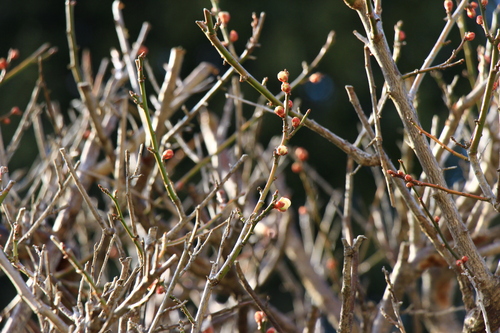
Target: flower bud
x=16 y=111
x=401 y=35
x=290 y=103
x=448 y=6
x=3 y=63
x=479 y=19
x=283 y=76
x=224 y=17
x=167 y=154
x=282 y=204
x=259 y=318
x=296 y=167
x=13 y=54
x=484 y=3
x=315 y=77
x=280 y=111
x=282 y=150
x=295 y=122
x=302 y=154
x=233 y=36
x=469 y=36
x=408 y=178
x=471 y=12
x=285 y=87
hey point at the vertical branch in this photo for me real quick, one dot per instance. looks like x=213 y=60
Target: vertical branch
x=349 y=281
x=73 y=47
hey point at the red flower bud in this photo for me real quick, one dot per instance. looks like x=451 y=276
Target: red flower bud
x=3 y=63
x=280 y=111
x=315 y=78
x=484 y=3
x=448 y=6
x=302 y=154
x=233 y=36
x=167 y=154
x=408 y=178
x=296 y=167
x=469 y=36
x=471 y=12
x=465 y=259
x=290 y=103
x=473 y=5
x=16 y=111
x=224 y=17
x=285 y=87
x=295 y=122
x=143 y=50
x=13 y=54
x=479 y=19
x=402 y=35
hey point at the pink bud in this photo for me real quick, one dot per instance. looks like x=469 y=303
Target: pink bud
x=302 y=154
x=471 y=12
x=469 y=36
x=233 y=36
x=295 y=122
x=224 y=17
x=479 y=19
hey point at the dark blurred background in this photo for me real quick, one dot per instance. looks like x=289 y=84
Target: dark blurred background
x=294 y=32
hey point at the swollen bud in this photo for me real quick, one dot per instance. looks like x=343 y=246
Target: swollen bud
x=233 y=36
x=469 y=36
x=282 y=204
x=448 y=6
x=167 y=154
x=224 y=17
x=283 y=76
x=282 y=150
x=280 y=111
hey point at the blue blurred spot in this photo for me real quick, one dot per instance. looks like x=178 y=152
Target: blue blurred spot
x=321 y=91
